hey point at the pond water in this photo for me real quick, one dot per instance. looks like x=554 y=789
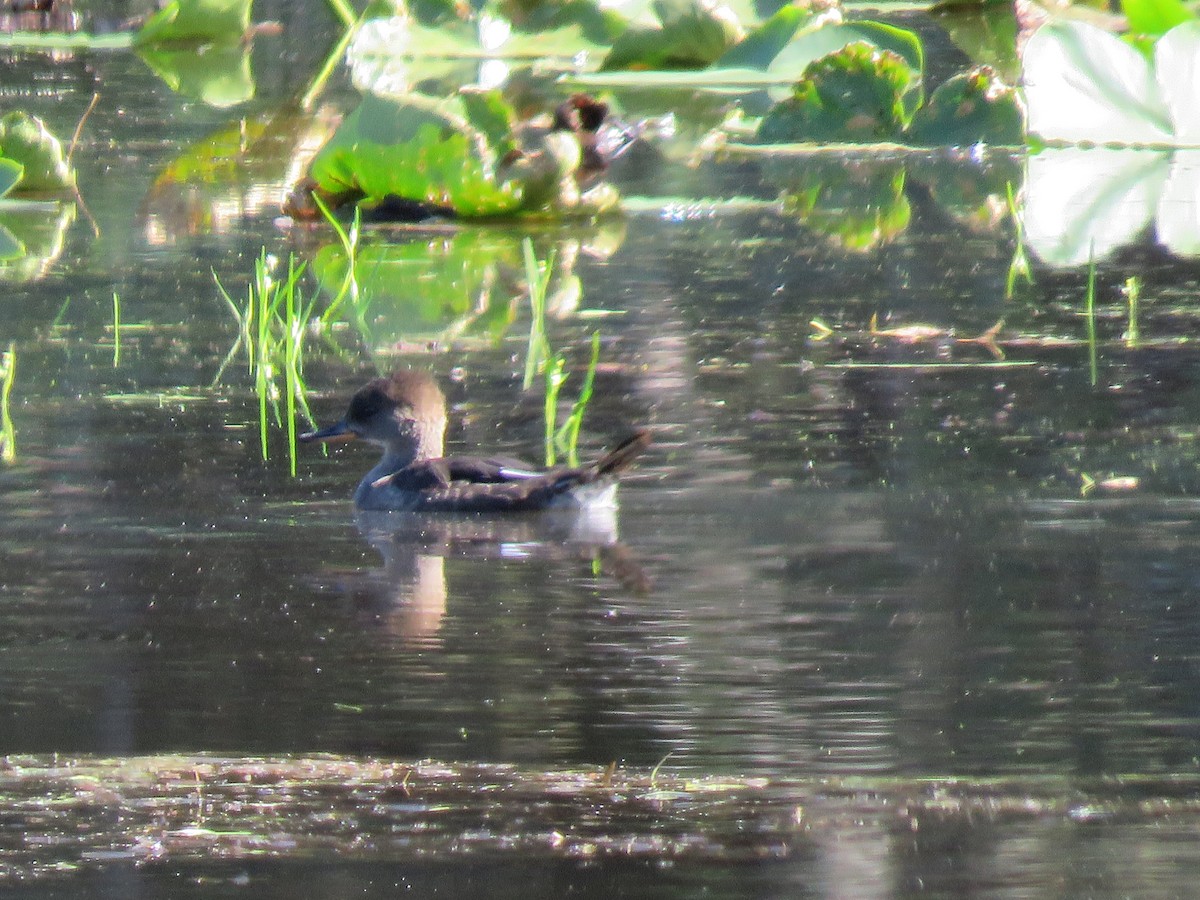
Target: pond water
x=895 y=556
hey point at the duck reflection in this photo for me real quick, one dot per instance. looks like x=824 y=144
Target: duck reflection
x=408 y=595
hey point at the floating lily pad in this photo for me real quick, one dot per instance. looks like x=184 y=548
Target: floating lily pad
x=971 y=108
x=38 y=234
x=1083 y=85
x=855 y=206
x=691 y=34
x=854 y=95
x=421 y=150
x=416 y=156
x=196 y=22
x=26 y=141
x=10 y=174
x=218 y=75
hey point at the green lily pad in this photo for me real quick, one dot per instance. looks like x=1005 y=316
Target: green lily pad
x=854 y=95
x=760 y=47
x=25 y=140
x=39 y=231
x=856 y=208
x=987 y=33
x=419 y=149
x=1154 y=18
x=971 y=108
x=196 y=22
x=217 y=75
x=691 y=34
x=10 y=247
x=10 y=174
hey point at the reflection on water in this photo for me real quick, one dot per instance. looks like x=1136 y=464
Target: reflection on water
x=841 y=558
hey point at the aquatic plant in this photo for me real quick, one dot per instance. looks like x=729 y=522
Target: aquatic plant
x=272 y=325
x=540 y=357
x=416 y=155
x=116 y=329
x=1090 y=315
x=8 y=433
x=1019 y=266
x=1132 y=291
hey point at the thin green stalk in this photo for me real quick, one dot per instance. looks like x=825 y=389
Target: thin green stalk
x=1133 y=292
x=291 y=354
x=538 y=278
x=1019 y=267
x=62 y=312
x=116 y=329
x=349 y=243
x=8 y=374
x=332 y=61
x=567 y=437
x=344 y=11
x=554 y=382
x=1091 y=320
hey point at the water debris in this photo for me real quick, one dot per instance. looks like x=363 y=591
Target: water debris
x=70 y=814
x=921 y=333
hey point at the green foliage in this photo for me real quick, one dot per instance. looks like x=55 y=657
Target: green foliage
x=272 y=325
x=10 y=173
x=419 y=149
x=1154 y=18
x=1083 y=85
x=541 y=357
x=854 y=207
x=220 y=76
x=8 y=433
x=854 y=94
x=762 y=45
x=196 y=22
x=690 y=34
x=25 y=141
x=970 y=108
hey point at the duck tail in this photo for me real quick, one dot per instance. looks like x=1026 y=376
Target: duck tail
x=620 y=457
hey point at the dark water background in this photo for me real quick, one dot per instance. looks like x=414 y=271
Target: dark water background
x=857 y=569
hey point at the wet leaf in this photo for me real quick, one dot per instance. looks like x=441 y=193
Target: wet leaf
x=25 y=140
x=810 y=46
x=853 y=95
x=1083 y=203
x=1155 y=17
x=196 y=22
x=971 y=108
x=691 y=34
x=1084 y=85
x=10 y=174
x=986 y=33
x=10 y=247
x=217 y=75
x=421 y=150
x=1177 y=63
x=39 y=234
x=760 y=47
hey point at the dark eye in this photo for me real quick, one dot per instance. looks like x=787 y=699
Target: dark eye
x=365 y=405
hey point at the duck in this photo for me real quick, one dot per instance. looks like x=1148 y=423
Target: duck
x=404 y=414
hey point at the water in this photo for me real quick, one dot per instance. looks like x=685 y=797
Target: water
x=842 y=559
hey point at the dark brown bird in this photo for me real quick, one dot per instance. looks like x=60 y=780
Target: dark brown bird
x=405 y=414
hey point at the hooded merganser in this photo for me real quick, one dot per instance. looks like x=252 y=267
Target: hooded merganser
x=405 y=414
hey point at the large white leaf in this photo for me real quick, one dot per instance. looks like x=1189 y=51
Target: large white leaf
x=1177 y=63
x=1178 y=216
x=1084 y=85
x=1082 y=204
